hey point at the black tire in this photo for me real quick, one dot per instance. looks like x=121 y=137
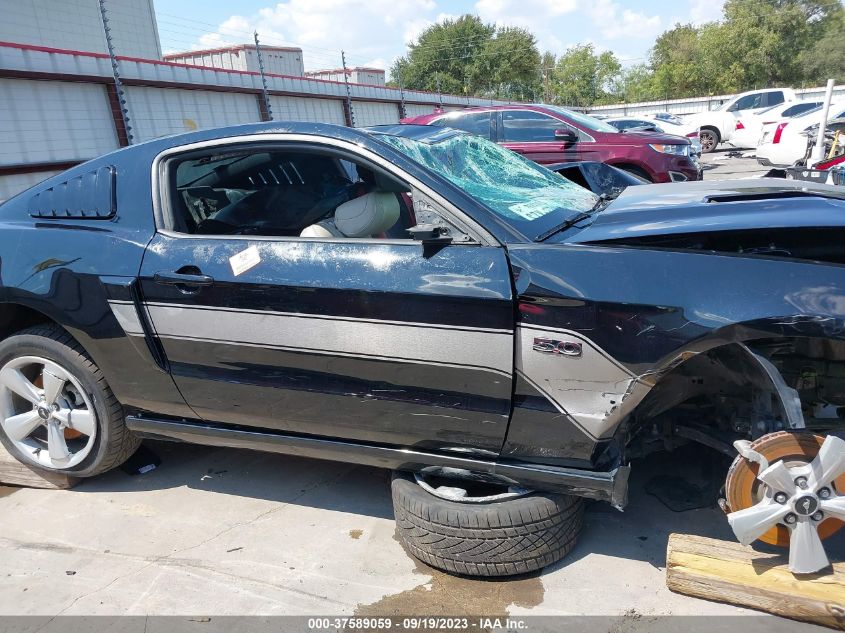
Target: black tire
x=710 y=139
x=504 y=538
x=636 y=171
x=114 y=443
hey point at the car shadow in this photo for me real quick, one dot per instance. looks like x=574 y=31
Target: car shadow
x=639 y=533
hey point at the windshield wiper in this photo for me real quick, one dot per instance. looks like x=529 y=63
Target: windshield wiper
x=604 y=200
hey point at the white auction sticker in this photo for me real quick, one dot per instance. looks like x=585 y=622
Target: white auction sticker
x=246 y=259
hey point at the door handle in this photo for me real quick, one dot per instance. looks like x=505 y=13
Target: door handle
x=182 y=279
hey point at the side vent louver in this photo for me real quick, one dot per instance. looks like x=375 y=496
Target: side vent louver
x=89 y=196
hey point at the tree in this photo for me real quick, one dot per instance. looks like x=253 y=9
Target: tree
x=507 y=65
x=582 y=78
x=467 y=56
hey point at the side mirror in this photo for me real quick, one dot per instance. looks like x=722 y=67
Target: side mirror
x=567 y=135
x=430 y=234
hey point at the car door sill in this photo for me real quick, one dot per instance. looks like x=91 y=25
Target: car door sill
x=611 y=486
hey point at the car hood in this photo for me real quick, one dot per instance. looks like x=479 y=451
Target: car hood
x=695 y=207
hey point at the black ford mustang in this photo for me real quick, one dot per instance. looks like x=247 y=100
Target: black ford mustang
x=426 y=301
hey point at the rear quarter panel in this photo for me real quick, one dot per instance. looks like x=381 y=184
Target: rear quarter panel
x=68 y=270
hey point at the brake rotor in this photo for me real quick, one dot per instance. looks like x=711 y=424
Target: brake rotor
x=743 y=489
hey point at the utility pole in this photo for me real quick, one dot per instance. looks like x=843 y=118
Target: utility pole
x=268 y=110
x=120 y=93
x=818 y=151
x=439 y=95
x=350 y=114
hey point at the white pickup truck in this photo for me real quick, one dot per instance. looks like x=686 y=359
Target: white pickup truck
x=717 y=125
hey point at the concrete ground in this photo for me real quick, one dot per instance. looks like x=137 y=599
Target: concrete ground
x=234 y=532
x=718 y=165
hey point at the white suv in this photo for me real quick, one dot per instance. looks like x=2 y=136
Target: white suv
x=718 y=125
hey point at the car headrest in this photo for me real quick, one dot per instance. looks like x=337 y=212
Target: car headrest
x=367 y=215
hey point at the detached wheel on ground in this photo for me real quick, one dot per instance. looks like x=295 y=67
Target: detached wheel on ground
x=478 y=530
x=57 y=412
x=709 y=138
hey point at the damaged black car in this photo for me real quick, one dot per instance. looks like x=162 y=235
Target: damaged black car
x=423 y=300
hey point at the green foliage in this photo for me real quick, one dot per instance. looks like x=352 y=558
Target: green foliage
x=582 y=78
x=758 y=43
x=467 y=56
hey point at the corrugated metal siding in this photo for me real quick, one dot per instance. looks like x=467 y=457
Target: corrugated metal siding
x=45 y=121
x=157 y=112
x=374 y=113
x=75 y=24
x=415 y=109
x=304 y=109
x=14 y=184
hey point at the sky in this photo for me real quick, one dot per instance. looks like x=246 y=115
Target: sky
x=376 y=32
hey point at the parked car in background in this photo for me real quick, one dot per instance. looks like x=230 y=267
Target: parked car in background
x=749 y=126
x=550 y=134
x=650 y=123
x=784 y=143
x=718 y=125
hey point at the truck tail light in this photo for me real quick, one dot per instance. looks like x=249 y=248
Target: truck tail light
x=778 y=132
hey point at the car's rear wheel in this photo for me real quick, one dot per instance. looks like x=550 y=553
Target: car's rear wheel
x=483 y=530
x=709 y=138
x=57 y=412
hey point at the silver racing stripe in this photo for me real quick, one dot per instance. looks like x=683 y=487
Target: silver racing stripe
x=483 y=349
x=127 y=316
x=586 y=387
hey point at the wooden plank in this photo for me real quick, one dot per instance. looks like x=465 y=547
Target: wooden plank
x=729 y=572
x=16 y=474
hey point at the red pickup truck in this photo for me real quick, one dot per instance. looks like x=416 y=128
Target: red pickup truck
x=550 y=134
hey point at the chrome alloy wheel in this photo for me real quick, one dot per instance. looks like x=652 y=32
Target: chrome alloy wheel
x=799 y=497
x=46 y=413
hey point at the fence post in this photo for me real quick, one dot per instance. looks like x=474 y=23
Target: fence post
x=350 y=114
x=267 y=110
x=116 y=93
x=402 y=110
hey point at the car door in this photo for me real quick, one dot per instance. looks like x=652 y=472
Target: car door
x=532 y=134
x=371 y=339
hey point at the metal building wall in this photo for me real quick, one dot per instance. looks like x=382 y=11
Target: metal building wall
x=15 y=183
x=76 y=25
x=416 y=109
x=374 y=113
x=51 y=121
x=158 y=112
x=276 y=61
x=304 y=109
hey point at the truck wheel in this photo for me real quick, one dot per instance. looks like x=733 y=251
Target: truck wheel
x=710 y=139
x=57 y=412
x=471 y=532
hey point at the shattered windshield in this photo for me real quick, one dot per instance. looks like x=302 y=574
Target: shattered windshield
x=530 y=197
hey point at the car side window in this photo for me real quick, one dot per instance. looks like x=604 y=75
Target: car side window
x=477 y=123
x=774 y=98
x=748 y=102
x=527 y=126
x=285 y=193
